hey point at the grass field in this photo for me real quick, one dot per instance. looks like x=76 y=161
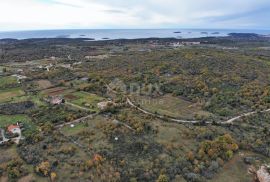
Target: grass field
x=84 y=99
x=97 y=137
x=35 y=99
x=79 y=127
x=8 y=95
x=8 y=80
x=12 y=119
x=235 y=170
x=44 y=84
x=72 y=131
x=170 y=106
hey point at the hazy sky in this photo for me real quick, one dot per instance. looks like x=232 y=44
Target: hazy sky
x=63 y=14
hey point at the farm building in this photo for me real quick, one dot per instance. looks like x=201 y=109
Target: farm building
x=55 y=100
x=105 y=105
x=13 y=128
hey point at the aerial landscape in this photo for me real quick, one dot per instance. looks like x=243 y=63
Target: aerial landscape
x=133 y=104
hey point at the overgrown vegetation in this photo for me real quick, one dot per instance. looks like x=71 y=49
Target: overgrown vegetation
x=74 y=140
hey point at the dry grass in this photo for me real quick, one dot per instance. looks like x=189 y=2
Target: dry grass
x=44 y=84
x=56 y=91
x=171 y=106
x=8 y=95
x=235 y=170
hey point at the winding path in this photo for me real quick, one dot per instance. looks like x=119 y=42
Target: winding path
x=75 y=121
x=243 y=115
x=77 y=106
x=229 y=121
x=160 y=116
x=124 y=124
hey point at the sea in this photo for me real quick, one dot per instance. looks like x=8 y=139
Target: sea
x=112 y=34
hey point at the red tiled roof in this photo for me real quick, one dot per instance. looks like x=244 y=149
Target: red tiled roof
x=11 y=127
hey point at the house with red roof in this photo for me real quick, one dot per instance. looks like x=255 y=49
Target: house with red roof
x=13 y=128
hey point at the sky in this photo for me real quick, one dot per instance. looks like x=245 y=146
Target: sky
x=133 y=14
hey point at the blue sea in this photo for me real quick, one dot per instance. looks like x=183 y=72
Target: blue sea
x=104 y=34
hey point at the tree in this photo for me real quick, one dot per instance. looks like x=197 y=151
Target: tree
x=15 y=168
x=43 y=168
x=133 y=180
x=190 y=156
x=53 y=176
x=162 y=178
x=229 y=154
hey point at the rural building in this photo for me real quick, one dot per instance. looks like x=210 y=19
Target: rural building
x=84 y=79
x=14 y=129
x=65 y=65
x=97 y=57
x=105 y=105
x=191 y=43
x=19 y=77
x=177 y=44
x=53 y=58
x=48 y=67
x=77 y=63
x=55 y=100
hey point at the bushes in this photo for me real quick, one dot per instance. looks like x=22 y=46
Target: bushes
x=253 y=132
x=210 y=156
x=222 y=147
x=228 y=154
x=55 y=115
x=162 y=178
x=53 y=176
x=16 y=108
x=68 y=150
x=95 y=162
x=15 y=169
x=266 y=99
x=190 y=156
x=223 y=104
x=43 y=168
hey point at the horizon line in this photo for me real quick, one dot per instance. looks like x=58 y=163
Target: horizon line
x=59 y=29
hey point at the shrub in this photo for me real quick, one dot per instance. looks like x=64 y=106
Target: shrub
x=53 y=176
x=15 y=169
x=162 y=178
x=222 y=147
x=43 y=168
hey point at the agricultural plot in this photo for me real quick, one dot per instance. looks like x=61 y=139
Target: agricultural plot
x=78 y=84
x=7 y=81
x=56 y=91
x=35 y=99
x=9 y=95
x=83 y=126
x=44 y=84
x=68 y=130
x=82 y=86
x=171 y=106
x=84 y=99
x=6 y=120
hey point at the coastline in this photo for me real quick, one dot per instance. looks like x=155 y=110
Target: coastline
x=208 y=39
x=130 y=34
